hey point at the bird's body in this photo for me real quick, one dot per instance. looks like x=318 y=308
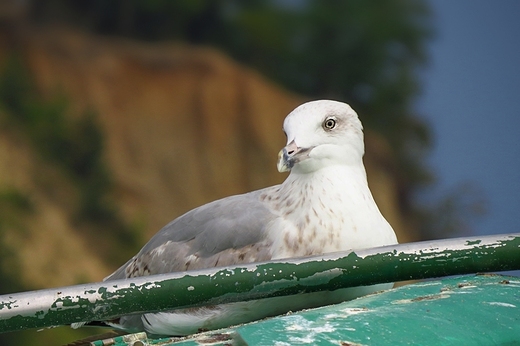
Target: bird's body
x=323 y=206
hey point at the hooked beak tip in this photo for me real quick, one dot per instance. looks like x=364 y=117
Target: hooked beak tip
x=286 y=157
x=285 y=162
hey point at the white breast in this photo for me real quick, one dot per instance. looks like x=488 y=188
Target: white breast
x=327 y=211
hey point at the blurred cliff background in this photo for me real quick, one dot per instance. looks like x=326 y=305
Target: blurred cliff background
x=117 y=116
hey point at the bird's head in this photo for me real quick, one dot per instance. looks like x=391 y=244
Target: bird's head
x=319 y=134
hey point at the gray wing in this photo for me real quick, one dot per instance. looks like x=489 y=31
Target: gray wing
x=228 y=231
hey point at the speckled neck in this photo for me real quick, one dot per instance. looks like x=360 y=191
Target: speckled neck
x=329 y=210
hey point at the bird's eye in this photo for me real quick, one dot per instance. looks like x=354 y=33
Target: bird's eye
x=329 y=123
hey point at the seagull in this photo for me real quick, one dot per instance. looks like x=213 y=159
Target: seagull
x=323 y=206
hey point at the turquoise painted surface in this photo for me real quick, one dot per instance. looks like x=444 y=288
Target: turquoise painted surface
x=469 y=310
x=477 y=310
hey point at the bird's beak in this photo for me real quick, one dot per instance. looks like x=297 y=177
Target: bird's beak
x=289 y=156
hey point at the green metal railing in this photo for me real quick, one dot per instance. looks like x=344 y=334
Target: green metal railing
x=106 y=300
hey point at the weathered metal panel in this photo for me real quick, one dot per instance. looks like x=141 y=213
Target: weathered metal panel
x=106 y=300
x=471 y=310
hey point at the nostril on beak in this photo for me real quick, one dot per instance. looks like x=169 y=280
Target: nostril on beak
x=290 y=152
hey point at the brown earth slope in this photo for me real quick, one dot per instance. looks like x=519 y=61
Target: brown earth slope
x=183 y=125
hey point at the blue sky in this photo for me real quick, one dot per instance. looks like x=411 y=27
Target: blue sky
x=471 y=99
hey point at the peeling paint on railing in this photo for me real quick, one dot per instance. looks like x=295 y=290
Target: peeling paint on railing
x=101 y=301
